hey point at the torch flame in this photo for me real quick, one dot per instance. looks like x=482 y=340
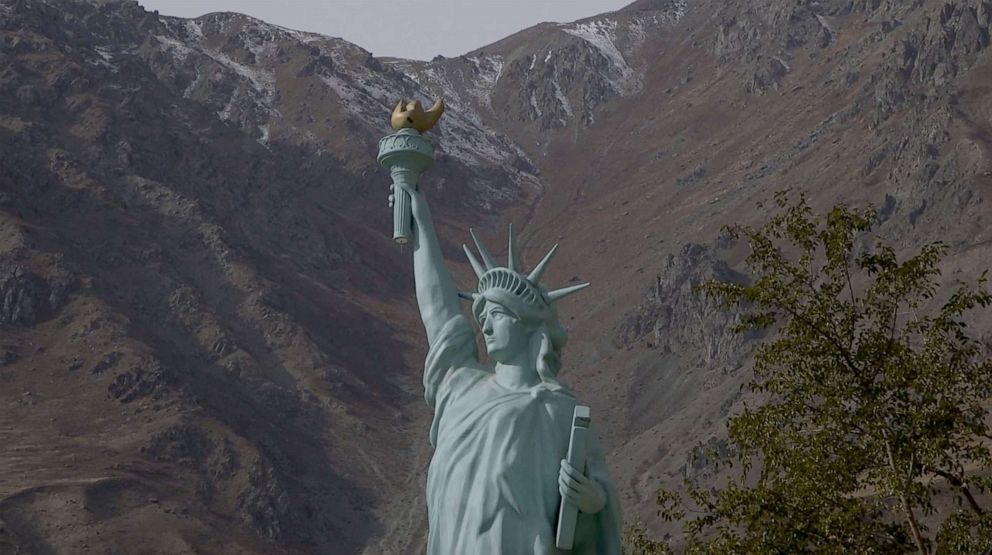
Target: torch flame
x=412 y=114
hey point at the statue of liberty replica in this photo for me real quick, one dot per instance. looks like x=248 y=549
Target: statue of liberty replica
x=515 y=470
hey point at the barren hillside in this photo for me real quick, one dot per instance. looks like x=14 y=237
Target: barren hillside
x=209 y=343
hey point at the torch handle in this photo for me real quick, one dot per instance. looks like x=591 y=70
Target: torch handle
x=403 y=179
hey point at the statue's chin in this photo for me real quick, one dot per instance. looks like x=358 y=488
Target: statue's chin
x=508 y=350
x=501 y=355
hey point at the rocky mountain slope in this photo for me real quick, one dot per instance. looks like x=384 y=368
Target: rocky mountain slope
x=207 y=329
x=209 y=342
x=692 y=114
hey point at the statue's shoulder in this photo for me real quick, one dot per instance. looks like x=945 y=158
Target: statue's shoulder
x=469 y=373
x=479 y=366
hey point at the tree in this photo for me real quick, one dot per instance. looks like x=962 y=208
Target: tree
x=871 y=400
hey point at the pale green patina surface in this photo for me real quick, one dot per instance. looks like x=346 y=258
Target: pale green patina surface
x=500 y=429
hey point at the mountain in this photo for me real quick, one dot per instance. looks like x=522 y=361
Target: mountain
x=209 y=342
x=207 y=329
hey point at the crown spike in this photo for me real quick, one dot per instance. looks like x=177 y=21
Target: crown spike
x=486 y=257
x=565 y=291
x=511 y=252
x=479 y=270
x=468 y=296
x=538 y=271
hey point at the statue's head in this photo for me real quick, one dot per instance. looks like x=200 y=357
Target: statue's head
x=505 y=333
x=516 y=313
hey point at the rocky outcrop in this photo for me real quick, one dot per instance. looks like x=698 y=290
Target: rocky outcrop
x=265 y=503
x=26 y=297
x=214 y=460
x=762 y=41
x=675 y=317
x=143 y=379
x=705 y=459
x=932 y=53
x=185 y=444
x=21 y=294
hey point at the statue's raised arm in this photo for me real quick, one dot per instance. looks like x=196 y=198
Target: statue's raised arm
x=406 y=154
x=436 y=293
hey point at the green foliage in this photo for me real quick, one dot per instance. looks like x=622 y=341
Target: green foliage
x=965 y=532
x=636 y=542
x=872 y=397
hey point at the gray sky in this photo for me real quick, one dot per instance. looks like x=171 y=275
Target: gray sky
x=417 y=29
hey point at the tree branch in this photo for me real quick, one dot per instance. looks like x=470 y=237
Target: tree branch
x=957 y=482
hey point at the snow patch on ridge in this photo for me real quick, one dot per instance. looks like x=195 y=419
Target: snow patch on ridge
x=188 y=92
x=262 y=50
x=636 y=31
x=533 y=104
x=194 y=28
x=366 y=91
x=302 y=36
x=106 y=59
x=369 y=102
x=262 y=86
x=489 y=69
x=179 y=50
x=263 y=82
x=465 y=137
x=562 y=99
x=601 y=35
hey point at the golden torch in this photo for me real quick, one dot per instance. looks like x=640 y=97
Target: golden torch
x=407 y=154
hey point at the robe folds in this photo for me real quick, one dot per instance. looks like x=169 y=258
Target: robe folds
x=492 y=485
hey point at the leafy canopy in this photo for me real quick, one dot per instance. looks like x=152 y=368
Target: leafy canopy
x=871 y=400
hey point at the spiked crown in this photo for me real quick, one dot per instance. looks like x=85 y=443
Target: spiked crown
x=507 y=282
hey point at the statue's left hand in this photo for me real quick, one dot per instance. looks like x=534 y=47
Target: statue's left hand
x=586 y=493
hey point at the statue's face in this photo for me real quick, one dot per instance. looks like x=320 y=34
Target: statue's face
x=506 y=336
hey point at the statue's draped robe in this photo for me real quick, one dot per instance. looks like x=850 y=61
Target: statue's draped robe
x=492 y=487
